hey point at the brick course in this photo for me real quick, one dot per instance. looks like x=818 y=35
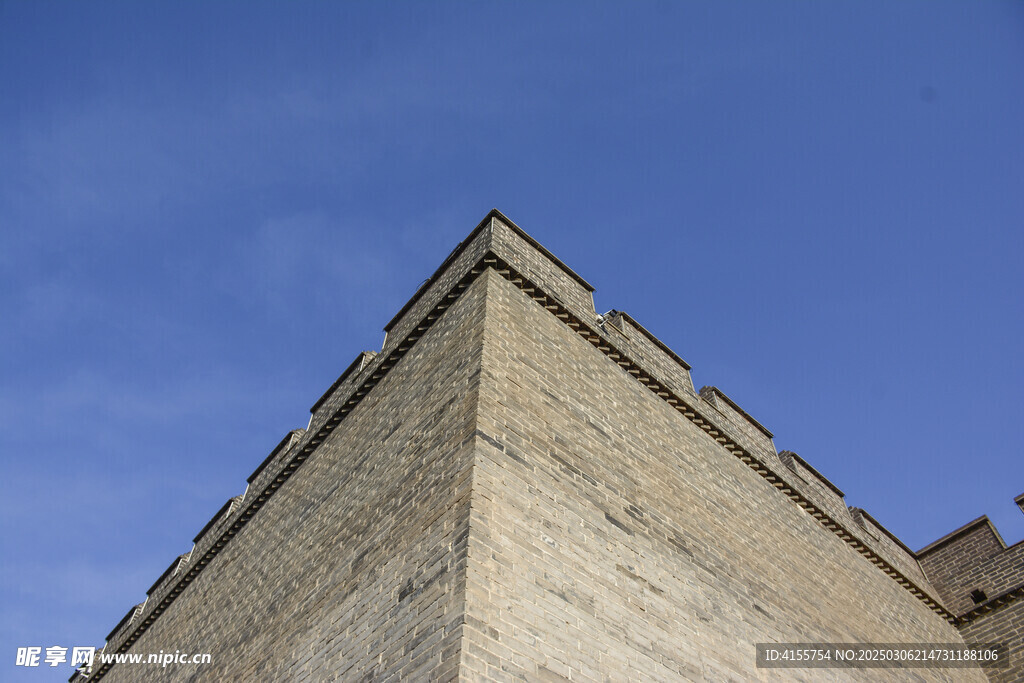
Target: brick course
x=516 y=489
x=627 y=543
x=982 y=581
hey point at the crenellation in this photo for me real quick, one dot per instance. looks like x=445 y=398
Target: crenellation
x=886 y=544
x=609 y=494
x=276 y=461
x=973 y=558
x=437 y=291
x=524 y=490
x=167 y=577
x=365 y=548
x=557 y=280
x=982 y=582
x=649 y=351
x=723 y=430
x=698 y=412
x=123 y=628
x=797 y=463
x=339 y=391
x=816 y=487
x=216 y=522
x=740 y=419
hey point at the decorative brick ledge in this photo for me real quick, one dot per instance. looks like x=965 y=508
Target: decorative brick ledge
x=297 y=447
x=686 y=408
x=992 y=604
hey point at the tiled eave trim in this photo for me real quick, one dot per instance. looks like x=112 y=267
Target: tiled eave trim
x=825 y=480
x=379 y=368
x=891 y=536
x=1001 y=600
x=689 y=411
x=464 y=244
x=355 y=366
x=757 y=425
x=300 y=452
x=660 y=344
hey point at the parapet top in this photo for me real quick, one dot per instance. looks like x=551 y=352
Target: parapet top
x=464 y=244
x=982 y=521
x=732 y=404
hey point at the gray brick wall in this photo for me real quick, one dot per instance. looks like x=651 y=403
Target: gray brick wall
x=355 y=566
x=974 y=557
x=1002 y=625
x=512 y=490
x=612 y=538
x=982 y=581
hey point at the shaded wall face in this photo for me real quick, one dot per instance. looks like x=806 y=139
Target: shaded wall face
x=974 y=572
x=609 y=536
x=1003 y=625
x=356 y=565
x=974 y=561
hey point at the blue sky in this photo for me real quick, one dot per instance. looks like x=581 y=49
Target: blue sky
x=207 y=209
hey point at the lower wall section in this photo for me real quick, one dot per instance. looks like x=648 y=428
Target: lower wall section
x=1002 y=625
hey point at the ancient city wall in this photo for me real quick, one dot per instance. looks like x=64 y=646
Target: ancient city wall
x=514 y=487
x=355 y=566
x=611 y=536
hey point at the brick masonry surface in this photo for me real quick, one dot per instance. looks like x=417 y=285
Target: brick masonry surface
x=1002 y=625
x=611 y=539
x=975 y=558
x=982 y=581
x=356 y=568
x=516 y=489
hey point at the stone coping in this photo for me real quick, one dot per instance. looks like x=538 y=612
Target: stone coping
x=298 y=447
